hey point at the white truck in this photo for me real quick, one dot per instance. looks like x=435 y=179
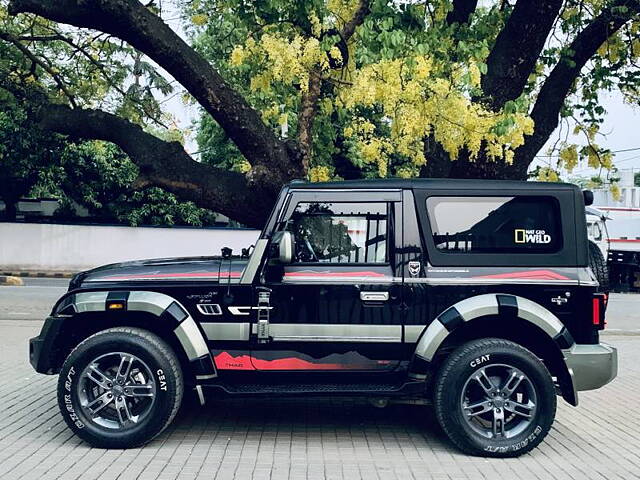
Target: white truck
x=616 y=232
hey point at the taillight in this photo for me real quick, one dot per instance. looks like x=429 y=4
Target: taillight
x=599 y=304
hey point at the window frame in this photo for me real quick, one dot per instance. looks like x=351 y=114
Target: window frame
x=566 y=256
x=387 y=197
x=557 y=227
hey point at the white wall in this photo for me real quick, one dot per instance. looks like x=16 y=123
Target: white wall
x=70 y=248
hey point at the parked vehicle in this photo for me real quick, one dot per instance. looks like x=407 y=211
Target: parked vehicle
x=620 y=229
x=475 y=296
x=598 y=246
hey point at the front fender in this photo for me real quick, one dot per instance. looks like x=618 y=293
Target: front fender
x=164 y=307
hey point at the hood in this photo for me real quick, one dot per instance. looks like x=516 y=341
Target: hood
x=210 y=269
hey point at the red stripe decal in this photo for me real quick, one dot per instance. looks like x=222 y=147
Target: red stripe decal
x=333 y=274
x=624 y=240
x=175 y=275
x=529 y=275
x=225 y=361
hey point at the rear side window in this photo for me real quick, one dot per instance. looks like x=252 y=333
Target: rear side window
x=340 y=232
x=521 y=224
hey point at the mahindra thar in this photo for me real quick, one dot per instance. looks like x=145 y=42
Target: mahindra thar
x=475 y=297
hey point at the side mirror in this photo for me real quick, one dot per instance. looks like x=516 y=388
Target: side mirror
x=283 y=247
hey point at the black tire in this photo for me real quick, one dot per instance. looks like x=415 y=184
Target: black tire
x=155 y=381
x=488 y=355
x=598 y=265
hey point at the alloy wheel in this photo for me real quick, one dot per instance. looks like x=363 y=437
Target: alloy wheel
x=116 y=390
x=498 y=401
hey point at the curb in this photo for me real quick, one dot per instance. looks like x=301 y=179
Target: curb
x=38 y=274
x=11 y=280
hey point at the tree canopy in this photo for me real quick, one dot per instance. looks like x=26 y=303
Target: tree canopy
x=326 y=89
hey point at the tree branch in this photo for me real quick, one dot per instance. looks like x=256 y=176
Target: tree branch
x=309 y=100
x=306 y=116
x=560 y=81
x=364 y=8
x=8 y=37
x=163 y=164
x=160 y=163
x=132 y=22
x=517 y=49
x=462 y=10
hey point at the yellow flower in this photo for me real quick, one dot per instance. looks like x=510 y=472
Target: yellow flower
x=244 y=166
x=320 y=173
x=199 y=19
x=238 y=55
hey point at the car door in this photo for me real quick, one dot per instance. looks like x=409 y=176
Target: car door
x=336 y=306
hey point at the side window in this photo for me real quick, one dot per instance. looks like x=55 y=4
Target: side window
x=522 y=224
x=340 y=232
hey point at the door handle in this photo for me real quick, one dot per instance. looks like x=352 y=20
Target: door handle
x=374 y=296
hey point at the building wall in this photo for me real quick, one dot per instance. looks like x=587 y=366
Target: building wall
x=70 y=248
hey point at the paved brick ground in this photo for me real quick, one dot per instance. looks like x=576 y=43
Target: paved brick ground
x=311 y=438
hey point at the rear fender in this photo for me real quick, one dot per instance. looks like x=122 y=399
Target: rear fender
x=501 y=307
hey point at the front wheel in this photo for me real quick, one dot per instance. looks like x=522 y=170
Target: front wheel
x=120 y=388
x=494 y=398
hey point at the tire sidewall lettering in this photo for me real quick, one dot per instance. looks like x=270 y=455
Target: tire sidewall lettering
x=480 y=360
x=162 y=380
x=69 y=407
x=515 y=446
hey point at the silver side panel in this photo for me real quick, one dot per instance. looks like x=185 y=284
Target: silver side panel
x=152 y=302
x=475 y=307
x=226 y=331
x=296 y=332
x=91 y=302
x=191 y=339
x=412 y=332
x=539 y=316
x=431 y=340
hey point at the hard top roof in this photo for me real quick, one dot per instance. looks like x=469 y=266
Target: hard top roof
x=434 y=183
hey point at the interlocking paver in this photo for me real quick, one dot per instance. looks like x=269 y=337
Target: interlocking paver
x=314 y=438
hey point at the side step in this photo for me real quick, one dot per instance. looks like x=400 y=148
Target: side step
x=392 y=389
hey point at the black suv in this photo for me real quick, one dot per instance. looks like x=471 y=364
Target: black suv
x=473 y=296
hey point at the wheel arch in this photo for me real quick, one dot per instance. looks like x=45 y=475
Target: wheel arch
x=85 y=313
x=500 y=316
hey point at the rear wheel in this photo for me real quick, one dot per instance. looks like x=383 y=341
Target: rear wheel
x=120 y=388
x=494 y=398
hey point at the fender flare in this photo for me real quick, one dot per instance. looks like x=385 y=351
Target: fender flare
x=503 y=305
x=163 y=306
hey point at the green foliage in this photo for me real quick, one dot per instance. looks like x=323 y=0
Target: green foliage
x=426 y=73
x=98 y=176
x=90 y=70
x=27 y=155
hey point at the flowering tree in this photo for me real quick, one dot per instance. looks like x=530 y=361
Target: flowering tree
x=355 y=88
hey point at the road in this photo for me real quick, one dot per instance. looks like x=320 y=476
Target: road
x=303 y=438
